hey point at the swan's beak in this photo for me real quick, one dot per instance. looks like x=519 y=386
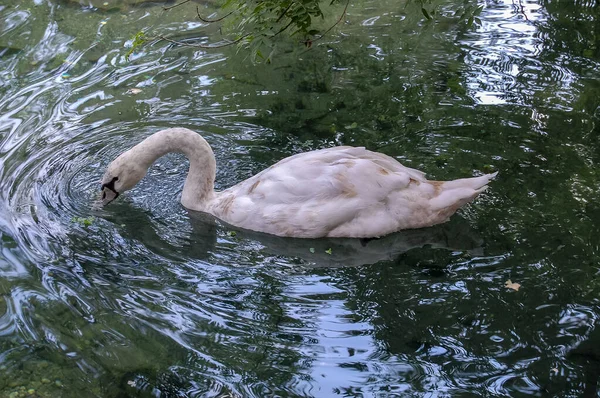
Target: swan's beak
x=107 y=195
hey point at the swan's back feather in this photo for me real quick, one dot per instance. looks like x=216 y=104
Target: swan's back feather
x=341 y=191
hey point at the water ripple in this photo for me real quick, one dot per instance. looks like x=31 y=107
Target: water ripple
x=145 y=297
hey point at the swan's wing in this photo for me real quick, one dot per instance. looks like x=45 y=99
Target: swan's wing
x=313 y=193
x=348 y=155
x=333 y=173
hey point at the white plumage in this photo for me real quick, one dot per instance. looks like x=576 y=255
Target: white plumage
x=334 y=192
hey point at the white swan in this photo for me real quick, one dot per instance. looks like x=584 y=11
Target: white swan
x=334 y=192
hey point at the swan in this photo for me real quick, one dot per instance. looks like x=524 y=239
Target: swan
x=335 y=192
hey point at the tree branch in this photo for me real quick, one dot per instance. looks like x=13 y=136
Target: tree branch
x=520 y=9
x=176 y=5
x=283 y=29
x=205 y=46
x=284 y=12
x=335 y=24
x=210 y=20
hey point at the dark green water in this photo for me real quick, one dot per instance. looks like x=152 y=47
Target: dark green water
x=152 y=301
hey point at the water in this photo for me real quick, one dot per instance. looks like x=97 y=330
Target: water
x=150 y=300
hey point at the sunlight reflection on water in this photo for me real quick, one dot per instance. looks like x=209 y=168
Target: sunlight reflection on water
x=507 y=36
x=150 y=298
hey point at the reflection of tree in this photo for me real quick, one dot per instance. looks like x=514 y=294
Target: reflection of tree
x=158 y=316
x=462 y=329
x=572 y=27
x=571 y=40
x=381 y=87
x=572 y=32
x=587 y=355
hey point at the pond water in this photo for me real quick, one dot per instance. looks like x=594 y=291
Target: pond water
x=150 y=300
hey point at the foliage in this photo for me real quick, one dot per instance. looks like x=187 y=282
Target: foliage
x=468 y=12
x=271 y=17
x=83 y=221
x=138 y=40
x=256 y=25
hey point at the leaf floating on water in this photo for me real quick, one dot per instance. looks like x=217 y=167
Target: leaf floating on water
x=232 y=233
x=134 y=91
x=83 y=221
x=510 y=285
x=328 y=251
x=312 y=249
x=138 y=41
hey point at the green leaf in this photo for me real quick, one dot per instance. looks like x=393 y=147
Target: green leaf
x=83 y=221
x=312 y=250
x=328 y=251
x=138 y=41
x=232 y=233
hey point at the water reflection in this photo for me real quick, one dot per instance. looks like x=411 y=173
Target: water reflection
x=151 y=299
x=503 y=65
x=455 y=236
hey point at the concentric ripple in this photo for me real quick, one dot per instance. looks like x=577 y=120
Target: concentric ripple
x=144 y=298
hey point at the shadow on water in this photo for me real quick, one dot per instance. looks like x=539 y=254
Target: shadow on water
x=137 y=225
x=341 y=252
x=587 y=355
x=206 y=233
x=204 y=236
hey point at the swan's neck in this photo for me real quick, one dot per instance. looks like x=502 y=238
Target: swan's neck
x=199 y=183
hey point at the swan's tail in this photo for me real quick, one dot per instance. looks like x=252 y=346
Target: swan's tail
x=454 y=194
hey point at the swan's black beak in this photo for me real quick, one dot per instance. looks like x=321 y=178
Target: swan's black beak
x=109 y=193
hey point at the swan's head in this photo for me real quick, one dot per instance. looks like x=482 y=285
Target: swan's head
x=121 y=175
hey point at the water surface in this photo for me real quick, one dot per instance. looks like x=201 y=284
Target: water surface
x=150 y=300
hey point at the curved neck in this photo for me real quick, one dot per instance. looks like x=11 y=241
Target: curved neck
x=199 y=183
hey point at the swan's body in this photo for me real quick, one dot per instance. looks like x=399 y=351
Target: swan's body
x=335 y=192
